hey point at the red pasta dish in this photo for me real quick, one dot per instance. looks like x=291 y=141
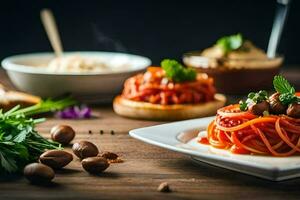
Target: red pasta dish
x=170 y=92
x=154 y=87
x=261 y=125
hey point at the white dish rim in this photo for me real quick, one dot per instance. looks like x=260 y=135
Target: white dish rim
x=9 y=65
x=136 y=134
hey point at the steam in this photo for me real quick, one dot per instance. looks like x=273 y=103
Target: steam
x=107 y=43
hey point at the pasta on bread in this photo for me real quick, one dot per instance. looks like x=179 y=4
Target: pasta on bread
x=170 y=92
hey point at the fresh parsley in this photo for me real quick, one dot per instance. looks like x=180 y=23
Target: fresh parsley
x=286 y=91
x=177 y=72
x=20 y=143
x=253 y=98
x=257 y=97
x=230 y=43
x=243 y=105
x=282 y=86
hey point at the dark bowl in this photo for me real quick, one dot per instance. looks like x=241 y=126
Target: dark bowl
x=236 y=76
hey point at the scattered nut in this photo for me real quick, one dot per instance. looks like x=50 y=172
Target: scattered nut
x=84 y=149
x=294 y=110
x=63 y=134
x=259 y=108
x=38 y=173
x=95 y=165
x=56 y=158
x=276 y=107
x=164 y=187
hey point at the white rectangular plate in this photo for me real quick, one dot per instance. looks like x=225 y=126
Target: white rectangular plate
x=171 y=136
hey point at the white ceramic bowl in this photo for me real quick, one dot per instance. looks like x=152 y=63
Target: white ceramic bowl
x=25 y=74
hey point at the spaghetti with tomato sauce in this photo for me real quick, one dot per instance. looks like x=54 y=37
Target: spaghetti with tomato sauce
x=245 y=133
x=154 y=87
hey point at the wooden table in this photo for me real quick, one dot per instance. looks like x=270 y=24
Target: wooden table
x=145 y=167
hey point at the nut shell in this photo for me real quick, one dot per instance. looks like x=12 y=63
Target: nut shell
x=164 y=187
x=293 y=110
x=63 y=134
x=95 y=165
x=259 y=108
x=276 y=107
x=84 y=149
x=38 y=173
x=56 y=159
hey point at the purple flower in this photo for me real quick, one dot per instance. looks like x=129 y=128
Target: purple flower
x=75 y=112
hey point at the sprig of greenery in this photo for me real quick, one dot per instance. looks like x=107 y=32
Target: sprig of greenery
x=243 y=105
x=282 y=86
x=177 y=72
x=20 y=143
x=253 y=98
x=286 y=91
x=230 y=43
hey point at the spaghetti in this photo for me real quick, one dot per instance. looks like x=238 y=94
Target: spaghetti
x=154 y=87
x=245 y=133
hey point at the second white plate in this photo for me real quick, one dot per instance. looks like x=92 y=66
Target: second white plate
x=180 y=137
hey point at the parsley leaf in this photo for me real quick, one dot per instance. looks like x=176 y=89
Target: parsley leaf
x=230 y=43
x=282 y=86
x=243 y=105
x=177 y=72
x=20 y=143
x=287 y=98
x=253 y=98
x=286 y=91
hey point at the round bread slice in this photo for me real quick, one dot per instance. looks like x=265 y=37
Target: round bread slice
x=149 y=111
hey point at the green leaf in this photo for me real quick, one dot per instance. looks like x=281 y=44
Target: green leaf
x=230 y=43
x=258 y=97
x=281 y=85
x=21 y=136
x=19 y=142
x=287 y=98
x=243 y=105
x=44 y=106
x=8 y=163
x=176 y=72
x=22 y=151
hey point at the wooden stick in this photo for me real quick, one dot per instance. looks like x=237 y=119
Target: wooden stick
x=52 y=32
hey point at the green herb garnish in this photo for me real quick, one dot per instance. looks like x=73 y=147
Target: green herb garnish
x=230 y=43
x=177 y=72
x=243 y=105
x=286 y=91
x=258 y=97
x=281 y=85
x=253 y=98
x=20 y=143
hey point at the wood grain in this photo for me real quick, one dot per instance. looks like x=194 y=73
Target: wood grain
x=145 y=167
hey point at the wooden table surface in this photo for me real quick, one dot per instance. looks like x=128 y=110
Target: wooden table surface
x=144 y=168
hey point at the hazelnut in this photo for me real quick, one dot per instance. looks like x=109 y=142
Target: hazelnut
x=84 y=149
x=95 y=165
x=56 y=158
x=276 y=107
x=38 y=173
x=63 y=134
x=293 y=110
x=259 y=108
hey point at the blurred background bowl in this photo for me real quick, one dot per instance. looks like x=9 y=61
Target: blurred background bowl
x=26 y=74
x=236 y=76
